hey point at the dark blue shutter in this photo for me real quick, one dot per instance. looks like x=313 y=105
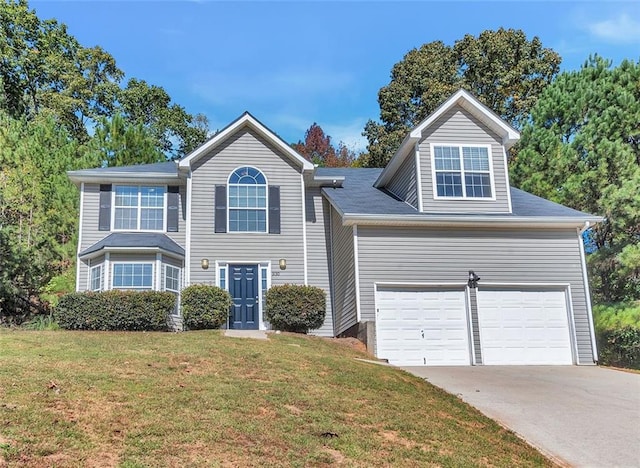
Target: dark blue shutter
x=173 y=208
x=221 y=209
x=274 y=209
x=104 y=215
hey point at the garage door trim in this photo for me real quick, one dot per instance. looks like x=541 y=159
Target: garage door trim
x=461 y=287
x=565 y=287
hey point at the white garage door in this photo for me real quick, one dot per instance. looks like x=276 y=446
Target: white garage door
x=524 y=327
x=422 y=327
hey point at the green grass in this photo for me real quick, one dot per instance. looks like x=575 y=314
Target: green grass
x=202 y=399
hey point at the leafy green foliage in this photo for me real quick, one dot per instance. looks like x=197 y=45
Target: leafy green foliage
x=204 y=306
x=618 y=334
x=502 y=68
x=296 y=308
x=582 y=149
x=119 y=143
x=45 y=71
x=115 y=310
x=42 y=323
x=38 y=210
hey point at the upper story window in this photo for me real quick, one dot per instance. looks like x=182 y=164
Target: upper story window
x=462 y=171
x=247 y=200
x=138 y=208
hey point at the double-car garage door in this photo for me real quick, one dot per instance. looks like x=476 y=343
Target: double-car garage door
x=417 y=326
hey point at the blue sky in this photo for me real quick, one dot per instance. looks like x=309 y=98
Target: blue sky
x=294 y=63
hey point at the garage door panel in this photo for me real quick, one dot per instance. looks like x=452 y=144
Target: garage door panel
x=422 y=327
x=521 y=326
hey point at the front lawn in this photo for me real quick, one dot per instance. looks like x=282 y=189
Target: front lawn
x=202 y=399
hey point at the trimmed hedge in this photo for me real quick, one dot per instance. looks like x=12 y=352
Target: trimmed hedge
x=204 y=307
x=618 y=334
x=115 y=310
x=296 y=308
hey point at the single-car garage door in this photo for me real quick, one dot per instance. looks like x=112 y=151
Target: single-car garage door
x=524 y=326
x=417 y=327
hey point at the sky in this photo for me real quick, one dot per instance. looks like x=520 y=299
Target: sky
x=295 y=63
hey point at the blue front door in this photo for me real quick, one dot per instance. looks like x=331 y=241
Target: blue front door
x=243 y=288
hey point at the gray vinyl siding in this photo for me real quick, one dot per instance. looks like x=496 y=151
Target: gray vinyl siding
x=246 y=148
x=403 y=184
x=318 y=248
x=459 y=127
x=89 y=225
x=415 y=255
x=344 y=283
x=475 y=325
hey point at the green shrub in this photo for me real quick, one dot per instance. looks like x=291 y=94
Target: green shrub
x=296 y=308
x=618 y=334
x=41 y=323
x=204 y=306
x=115 y=310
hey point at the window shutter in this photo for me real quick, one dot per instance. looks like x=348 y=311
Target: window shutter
x=104 y=215
x=274 y=209
x=173 y=208
x=221 y=209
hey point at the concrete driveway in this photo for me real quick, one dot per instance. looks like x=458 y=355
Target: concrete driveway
x=577 y=415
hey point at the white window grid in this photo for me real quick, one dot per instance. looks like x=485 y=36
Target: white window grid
x=466 y=169
x=139 y=208
x=129 y=271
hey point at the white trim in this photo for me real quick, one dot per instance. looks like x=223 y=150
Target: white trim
x=124 y=178
x=187 y=250
x=462 y=171
x=165 y=267
x=246 y=208
x=332 y=284
x=559 y=286
x=356 y=272
x=259 y=265
x=304 y=230
x=80 y=236
x=418 y=177
x=587 y=297
x=158 y=272
x=506 y=178
x=90 y=277
x=468 y=102
x=248 y=120
x=107 y=271
x=139 y=208
x=472 y=342
x=142 y=250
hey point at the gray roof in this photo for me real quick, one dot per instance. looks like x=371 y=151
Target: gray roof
x=133 y=240
x=358 y=196
x=169 y=168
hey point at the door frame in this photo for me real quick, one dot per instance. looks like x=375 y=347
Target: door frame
x=462 y=287
x=564 y=287
x=264 y=273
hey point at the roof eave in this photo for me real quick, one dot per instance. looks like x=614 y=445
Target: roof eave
x=77 y=177
x=102 y=250
x=349 y=219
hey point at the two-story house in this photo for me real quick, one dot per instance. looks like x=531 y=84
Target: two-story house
x=398 y=250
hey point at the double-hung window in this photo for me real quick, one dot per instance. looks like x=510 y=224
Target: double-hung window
x=95 y=280
x=139 y=208
x=171 y=278
x=132 y=276
x=247 y=200
x=462 y=171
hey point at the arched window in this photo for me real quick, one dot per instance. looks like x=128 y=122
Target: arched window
x=247 y=200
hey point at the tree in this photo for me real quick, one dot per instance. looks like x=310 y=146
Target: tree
x=38 y=208
x=318 y=149
x=175 y=131
x=45 y=71
x=582 y=149
x=117 y=142
x=502 y=68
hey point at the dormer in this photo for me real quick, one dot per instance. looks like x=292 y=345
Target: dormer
x=454 y=161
